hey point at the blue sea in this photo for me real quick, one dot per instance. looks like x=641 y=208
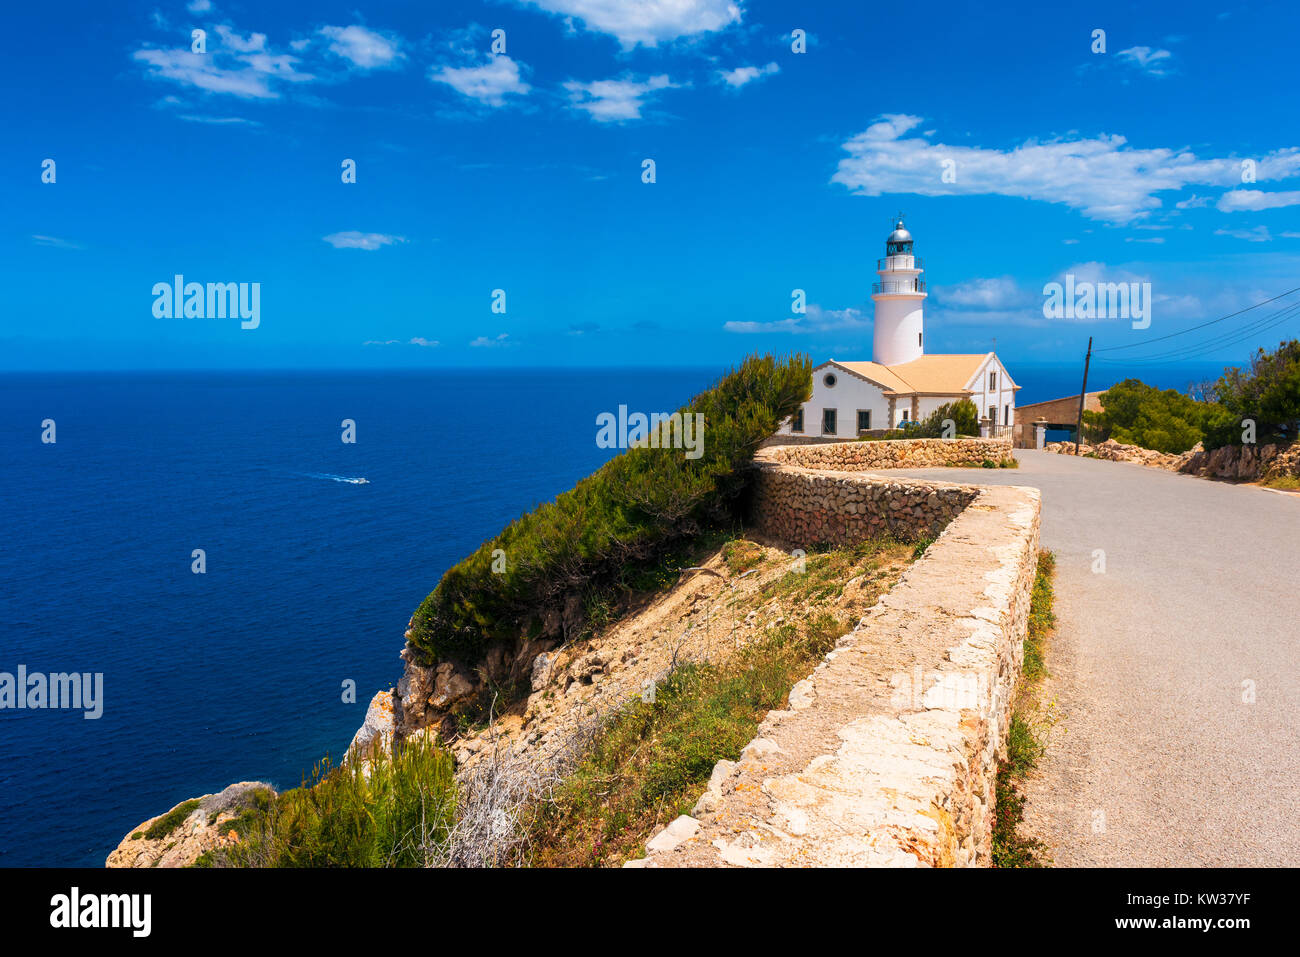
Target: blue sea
x=311 y=575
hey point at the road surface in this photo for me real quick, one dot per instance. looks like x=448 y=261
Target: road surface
x=1177 y=668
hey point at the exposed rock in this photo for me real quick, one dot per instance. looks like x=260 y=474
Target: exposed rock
x=678 y=832
x=573 y=616
x=1246 y=463
x=376 y=730
x=452 y=685
x=413 y=691
x=541 y=675
x=203 y=828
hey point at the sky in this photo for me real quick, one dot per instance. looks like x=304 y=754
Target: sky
x=501 y=213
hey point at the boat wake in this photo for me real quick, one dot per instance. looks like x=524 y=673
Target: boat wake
x=336 y=478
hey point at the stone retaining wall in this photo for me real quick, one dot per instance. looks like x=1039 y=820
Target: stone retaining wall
x=892 y=454
x=805 y=507
x=887 y=754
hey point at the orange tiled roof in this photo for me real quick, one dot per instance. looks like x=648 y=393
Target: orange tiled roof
x=938 y=374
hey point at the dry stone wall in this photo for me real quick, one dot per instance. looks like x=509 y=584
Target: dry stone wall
x=891 y=454
x=809 y=507
x=887 y=754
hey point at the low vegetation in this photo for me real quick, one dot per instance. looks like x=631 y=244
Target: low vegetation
x=1135 y=413
x=653 y=760
x=963 y=416
x=630 y=772
x=171 y=820
x=634 y=508
x=1024 y=747
x=1266 y=393
x=395 y=811
x=1287 y=483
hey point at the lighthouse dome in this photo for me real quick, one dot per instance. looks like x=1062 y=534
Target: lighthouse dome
x=899 y=235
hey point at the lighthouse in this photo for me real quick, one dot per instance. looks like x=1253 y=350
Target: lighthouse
x=901 y=384
x=898 y=334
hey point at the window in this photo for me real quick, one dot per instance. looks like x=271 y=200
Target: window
x=828 y=422
x=993 y=382
x=1006 y=415
x=993 y=415
x=796 y=422
x=918 y=338
x=829 y=380
x=864 y=420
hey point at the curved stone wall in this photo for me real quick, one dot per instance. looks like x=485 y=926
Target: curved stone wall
x=805 y=507
x=890 y=454
x=887 y=754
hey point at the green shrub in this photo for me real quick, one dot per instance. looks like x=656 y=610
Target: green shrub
x=963 y=413
x=1135 y=413
x=1267 y=392
x=171 y=820
x=388 y=815
x=631 y=510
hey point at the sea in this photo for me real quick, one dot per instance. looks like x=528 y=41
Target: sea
x=314 y=553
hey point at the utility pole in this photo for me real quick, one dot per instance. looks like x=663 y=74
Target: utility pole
x=1078 y=428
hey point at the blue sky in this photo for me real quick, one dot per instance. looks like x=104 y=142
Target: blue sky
x=522 y=171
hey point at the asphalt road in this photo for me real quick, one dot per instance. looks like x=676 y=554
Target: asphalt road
x=1176 y=669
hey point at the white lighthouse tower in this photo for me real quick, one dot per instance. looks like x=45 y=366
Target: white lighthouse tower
x=898 y=335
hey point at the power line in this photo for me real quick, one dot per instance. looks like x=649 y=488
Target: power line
x=1208 y=345
x=1183 y=332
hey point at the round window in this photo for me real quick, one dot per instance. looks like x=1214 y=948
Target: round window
x=829 y=380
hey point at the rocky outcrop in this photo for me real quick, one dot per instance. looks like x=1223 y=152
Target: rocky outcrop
x=1243 y=463
x=376 y=731
x=430 y=694
x=179 y=837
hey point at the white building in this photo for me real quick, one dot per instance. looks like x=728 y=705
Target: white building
x=901 y=383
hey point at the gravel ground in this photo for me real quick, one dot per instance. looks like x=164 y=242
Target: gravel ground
x=1161 y=758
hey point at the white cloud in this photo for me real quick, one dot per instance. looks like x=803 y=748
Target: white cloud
x=1153 y=62
x=1254 y=200
x=816 y=319
x=1102 y=176
x=199 y=6
x=1258 y=234
x=217 y=120
x=483 y=342
x=351 y=239
x=647 y=21
x=56 y=243
x=237 y=65
x=364 y=48
x=252 y=43
x=417 y=341
x=980 y=293
x=612 y=101
x=745 y=74
x=488 y=83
